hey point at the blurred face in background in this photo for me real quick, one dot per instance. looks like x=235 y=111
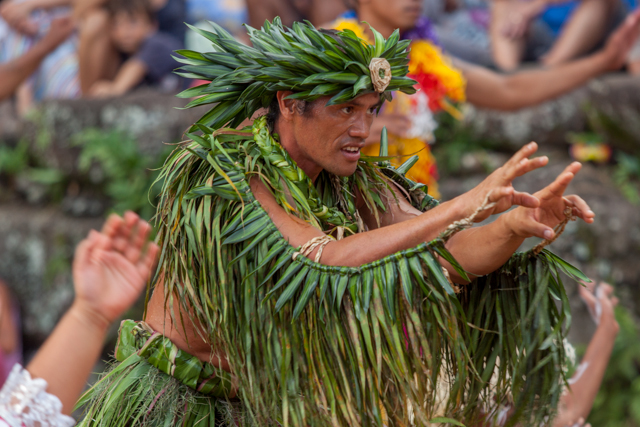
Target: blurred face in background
x=401 y=14
x=129 y=30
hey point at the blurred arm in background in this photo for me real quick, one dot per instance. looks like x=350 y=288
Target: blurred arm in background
x=13 y=73
x=576 y=403
x=489 y=89
x=110 y=269
x=17 y=13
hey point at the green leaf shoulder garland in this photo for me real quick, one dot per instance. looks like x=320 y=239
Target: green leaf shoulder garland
x=390 y=343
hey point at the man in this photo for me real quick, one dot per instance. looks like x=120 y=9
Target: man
x=296 y=285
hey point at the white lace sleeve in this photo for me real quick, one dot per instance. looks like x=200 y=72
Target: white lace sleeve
x=24 y=402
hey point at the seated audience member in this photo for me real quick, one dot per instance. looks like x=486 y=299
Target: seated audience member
x=462 y=28
x=110 y=270
x=23 y=24
x=551 y=31
x=14 y=72
x=316 y=11
x=145 y=50
x=99 y=58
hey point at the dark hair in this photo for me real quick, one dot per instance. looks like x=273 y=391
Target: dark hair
x=132 y=7
x=273 y=113
x=351 y=4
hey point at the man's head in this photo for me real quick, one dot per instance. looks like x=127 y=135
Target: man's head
x=401 y=14
x=320 y=137
x=132 y=22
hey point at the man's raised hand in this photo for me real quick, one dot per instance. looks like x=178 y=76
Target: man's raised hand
x=540 y=220
x=498 y=186
x=111 y=268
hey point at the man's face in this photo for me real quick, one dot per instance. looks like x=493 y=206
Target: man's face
x=128 y=31
x=401 y=14
x=331 y=137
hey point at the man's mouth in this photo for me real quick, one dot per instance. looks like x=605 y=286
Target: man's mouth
x=351 y=153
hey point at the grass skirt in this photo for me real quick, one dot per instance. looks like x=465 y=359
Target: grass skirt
x=139 y=390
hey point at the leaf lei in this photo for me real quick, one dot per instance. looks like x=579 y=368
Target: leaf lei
x=301 y=187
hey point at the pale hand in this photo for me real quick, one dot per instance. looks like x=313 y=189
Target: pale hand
x=498 y=187
x=112 y=267
x=600 y=302
x=539 y=221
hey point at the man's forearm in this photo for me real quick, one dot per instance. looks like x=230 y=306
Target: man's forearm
x=375 y=244
x=482 y=250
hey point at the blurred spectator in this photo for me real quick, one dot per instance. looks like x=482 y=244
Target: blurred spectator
x=462 y=28
x=145 y=50
x=14 y=72
x=22 y=25
x=10 y=336
x=316 y=11
x=98 y=56
x=552 y=31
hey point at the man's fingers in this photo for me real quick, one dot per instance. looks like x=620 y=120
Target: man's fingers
x=557 y=187
x=580 y=208
x=523 y=153
x=538 y=229
x=525 y=199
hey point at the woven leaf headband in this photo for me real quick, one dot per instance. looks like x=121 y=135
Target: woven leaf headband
x=310 y=62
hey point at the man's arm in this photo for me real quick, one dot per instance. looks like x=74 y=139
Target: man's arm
x=488 y=89
x=13 y=73
x=402 y=228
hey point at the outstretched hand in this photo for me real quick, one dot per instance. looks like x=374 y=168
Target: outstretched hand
x=540 y=220
x=111 y=268
x=498 y=186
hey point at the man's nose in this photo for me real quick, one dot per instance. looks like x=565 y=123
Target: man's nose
x=360 y=128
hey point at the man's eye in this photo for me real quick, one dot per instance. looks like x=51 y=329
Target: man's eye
x=371 y=111
x=347 y=110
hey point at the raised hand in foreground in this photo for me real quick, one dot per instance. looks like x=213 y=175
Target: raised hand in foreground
x=110 y=270
x=112 y=267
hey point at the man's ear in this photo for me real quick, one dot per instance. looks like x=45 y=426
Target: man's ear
x=287 y=106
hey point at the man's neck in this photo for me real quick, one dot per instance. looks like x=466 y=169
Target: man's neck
x=380 y=24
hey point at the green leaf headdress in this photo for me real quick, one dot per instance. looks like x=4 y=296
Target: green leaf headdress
x=310 y=62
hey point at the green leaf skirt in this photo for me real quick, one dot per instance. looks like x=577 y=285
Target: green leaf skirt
x=154 y=384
